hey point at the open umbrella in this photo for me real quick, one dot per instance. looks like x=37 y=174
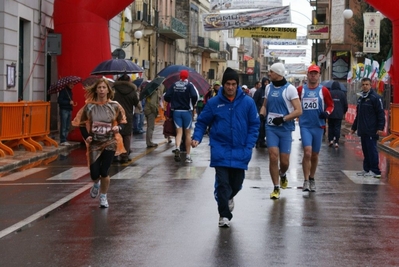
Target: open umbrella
x=171 y=69
x=329 y=83
x=92 y=79
x=61 y=83
x=151 y=87
x=116 y=66
x=194 y=77
x=138 y=82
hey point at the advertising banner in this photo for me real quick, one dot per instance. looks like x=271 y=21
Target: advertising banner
x=244 y=4
x=226 y=21
x=318 y=32
x=301 y=40
x=266 y=32
x=371 y=40
x=285 y=53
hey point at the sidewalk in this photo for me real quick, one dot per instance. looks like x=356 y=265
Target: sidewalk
x=24 y=160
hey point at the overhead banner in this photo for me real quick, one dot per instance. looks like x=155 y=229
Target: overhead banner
x=371 y=39
x=295 y=68
x=285 y=53
x=266 y=32
x=244 y=4
x=301 y=40
x=226 y=21
x=318 y=32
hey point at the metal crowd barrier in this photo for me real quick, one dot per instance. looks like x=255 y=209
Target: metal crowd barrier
x=24 y=123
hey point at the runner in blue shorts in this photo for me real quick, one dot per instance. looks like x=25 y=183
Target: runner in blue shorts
x=280 y=108
x=317 y=104
x=182 y=96
x=183 y=119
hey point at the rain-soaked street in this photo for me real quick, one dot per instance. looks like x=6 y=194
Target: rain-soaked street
x=163 y=213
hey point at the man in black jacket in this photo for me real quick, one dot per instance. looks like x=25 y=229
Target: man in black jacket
x=369 y=124
x=335 y=118
x=126 y=96
x=259 y=97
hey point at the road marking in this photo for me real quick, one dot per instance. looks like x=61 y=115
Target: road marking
x=131 y=173
x=21 y=224
x=18 y=175
x=362 y=179
x=73 y=173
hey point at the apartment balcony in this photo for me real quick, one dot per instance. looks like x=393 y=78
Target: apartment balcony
x=172 y=28
x=213 y=45
x=224 y=47
x=143 y=18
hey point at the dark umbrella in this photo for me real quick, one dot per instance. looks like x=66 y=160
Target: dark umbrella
x=138 y=82
x=194 y=77
x=171 y=69
x=116 y=66
x=151 y=87
x=92 y=79
x=61 y=83
x=329 y=83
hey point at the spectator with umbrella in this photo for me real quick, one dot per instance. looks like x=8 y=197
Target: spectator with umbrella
x=126 y=96
x=152 y=94
x=65 y=103
x=183 y=96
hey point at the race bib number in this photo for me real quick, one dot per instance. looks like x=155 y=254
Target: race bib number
x=310 y=103
x=271 y=116
x=101 y=128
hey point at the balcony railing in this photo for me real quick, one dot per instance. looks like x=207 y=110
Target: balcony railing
x=214 y=45
x=172 y=27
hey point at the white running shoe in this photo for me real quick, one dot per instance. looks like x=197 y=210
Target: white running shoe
x=224 y=222
x=103 y=201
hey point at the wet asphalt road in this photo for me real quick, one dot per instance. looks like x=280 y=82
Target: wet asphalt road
x=163 y=213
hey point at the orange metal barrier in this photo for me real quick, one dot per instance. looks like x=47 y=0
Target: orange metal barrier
x=26 y=124
x=394 y=136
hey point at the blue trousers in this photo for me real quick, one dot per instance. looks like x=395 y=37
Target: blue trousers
x=228 y=181
x=65 y=122
x=370 y=153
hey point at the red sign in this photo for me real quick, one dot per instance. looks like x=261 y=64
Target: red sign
x=250 y=70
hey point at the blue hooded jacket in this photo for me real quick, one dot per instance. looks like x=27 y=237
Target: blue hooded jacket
x=234 y=129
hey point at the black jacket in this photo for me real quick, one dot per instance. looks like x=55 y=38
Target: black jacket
x=340 y=102
x=370 y=115
x=259 y=95
x=126 y=96
x=64 y=99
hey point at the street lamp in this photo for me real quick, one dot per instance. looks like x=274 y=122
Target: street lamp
x=348 y=13
x=137 y=35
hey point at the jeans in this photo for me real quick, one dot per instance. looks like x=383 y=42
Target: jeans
x=65 y=122
x=228 y=181
x=136 y=122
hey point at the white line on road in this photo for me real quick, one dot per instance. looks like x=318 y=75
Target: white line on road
x=18 y=175
x=71 y=174
x=43 y=212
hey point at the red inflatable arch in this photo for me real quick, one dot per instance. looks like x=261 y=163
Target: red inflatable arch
x=85 y=39
x=390 y=10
